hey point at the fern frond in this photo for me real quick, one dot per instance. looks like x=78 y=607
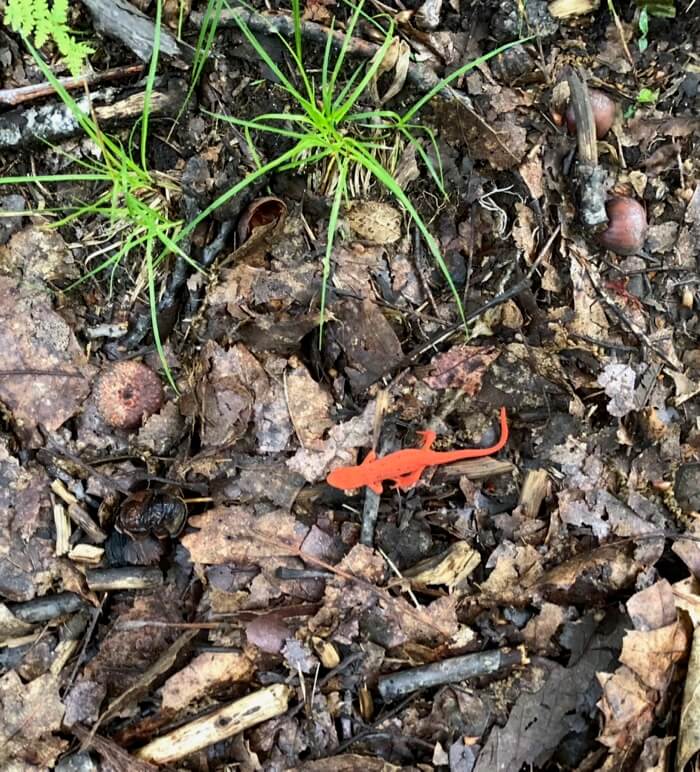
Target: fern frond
x=44 y=22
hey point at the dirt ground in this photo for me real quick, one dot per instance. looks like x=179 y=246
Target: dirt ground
x=213 y=553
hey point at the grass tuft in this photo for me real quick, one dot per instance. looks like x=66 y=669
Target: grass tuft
x=330 y=132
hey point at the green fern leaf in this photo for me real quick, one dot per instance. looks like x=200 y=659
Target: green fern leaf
x=19 y=16
x=44 y=22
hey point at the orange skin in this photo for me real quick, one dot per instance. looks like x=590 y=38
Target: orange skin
x=405 y=467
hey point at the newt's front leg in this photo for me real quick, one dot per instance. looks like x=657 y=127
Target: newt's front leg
x=406 y=481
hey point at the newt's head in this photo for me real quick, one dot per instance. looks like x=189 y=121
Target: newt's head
x=347 y=477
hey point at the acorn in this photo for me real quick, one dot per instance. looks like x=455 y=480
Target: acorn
x=603 y=113
x=627 y=226
x=262 y=211
x=127 y=392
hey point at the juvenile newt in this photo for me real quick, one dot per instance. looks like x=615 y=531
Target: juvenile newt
x=405 y=467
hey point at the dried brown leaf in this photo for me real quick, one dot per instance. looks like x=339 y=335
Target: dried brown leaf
x=462 y=367
x=652 y=654
x=30 y=714
x=35 y=342
x=236 y=535
x=628 y=710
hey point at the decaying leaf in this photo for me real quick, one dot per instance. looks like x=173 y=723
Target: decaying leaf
x=236 y=535
x=31 y=714
x=462 y=367
x=47 y=378
x=689 y=730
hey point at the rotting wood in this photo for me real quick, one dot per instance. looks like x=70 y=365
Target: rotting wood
x=590 y=176
x=224 y=723
x=123 y=21
x=127 y=578
x=533 y=492
x=54 y=122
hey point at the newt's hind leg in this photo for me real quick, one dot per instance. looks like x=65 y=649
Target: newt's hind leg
x=428 y=439
x=407 y=481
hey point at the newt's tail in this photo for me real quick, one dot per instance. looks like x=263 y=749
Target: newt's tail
x=504 y=434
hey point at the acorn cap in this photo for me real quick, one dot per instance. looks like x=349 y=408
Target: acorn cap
x=128 y=392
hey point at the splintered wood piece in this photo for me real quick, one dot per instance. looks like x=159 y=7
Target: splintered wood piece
x=224 y=723
x=474 y=469
x=533 y=492
x=591 y=177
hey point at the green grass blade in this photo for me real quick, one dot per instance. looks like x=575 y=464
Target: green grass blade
x=262 y=53
x=205 y=41
x=326 y=90
x=257 y=126
x=330 y=240
x=381 y=174
x=153 y=304
x=458 y=73
x=436 y=174
x=349 y=30
x=49 y=178
x=150 y=82
x=341 y=112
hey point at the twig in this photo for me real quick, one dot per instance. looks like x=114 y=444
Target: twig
x=11 y=97
x=448 y=671
x=38 y=373
x=225 y=722
x=124 y=578
x=48 y=607
x=627 y=323
x=292 y=549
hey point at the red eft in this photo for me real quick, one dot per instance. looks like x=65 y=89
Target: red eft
x=405 y=467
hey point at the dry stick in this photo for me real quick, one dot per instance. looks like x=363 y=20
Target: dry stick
x=628 y=323
x=38 y=373
x=590 y=175
x=449 y=671
x=292 y=550
x=47 y=608
x=125 y=578
x=515 y=290
x=230 y=720
x=17 y=96
x=422 y=77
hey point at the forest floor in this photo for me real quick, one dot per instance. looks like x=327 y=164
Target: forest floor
x=182 y=585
